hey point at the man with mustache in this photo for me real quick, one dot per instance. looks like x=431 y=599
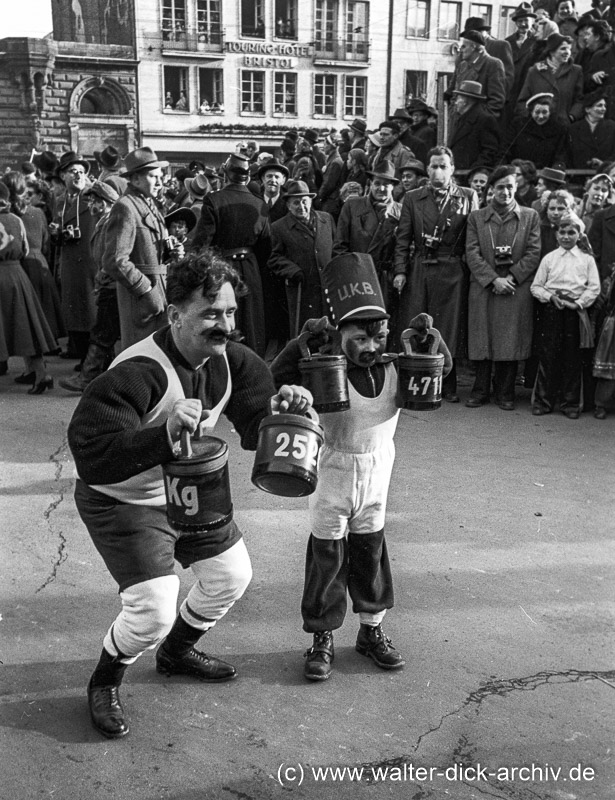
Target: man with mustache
x=126 y=426
x=347 y=550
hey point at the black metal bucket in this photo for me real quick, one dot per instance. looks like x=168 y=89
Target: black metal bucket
x=419 y=380
x=325 y=377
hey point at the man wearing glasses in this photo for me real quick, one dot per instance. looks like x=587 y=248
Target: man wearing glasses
x=72 y=228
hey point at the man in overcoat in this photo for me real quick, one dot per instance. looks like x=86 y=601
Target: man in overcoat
x=368 y=225
x=475 y=136
x=73 y=228
x=302 y=244
x=429 y=257
x=503 y=254
x=475 y=64
x=236 y=222
x=136 y=249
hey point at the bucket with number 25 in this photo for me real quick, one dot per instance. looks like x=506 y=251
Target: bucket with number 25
x=286 y=461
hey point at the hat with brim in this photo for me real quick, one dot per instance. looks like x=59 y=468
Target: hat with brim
x=476 y=37
x=272 y=166
x=185 y=214
x=523 y=10
x=47 y=161
x=374 y=138
x=298 y=189
x=477 y=24
x=109 y=158
x=552 y=175
x=103 y=191
x=544 y=96
x=143 y=158
x=67 y=160
x=198 y=186
x=413 y=165
x=417 y=105
x=472 y=89
x=359 y=125
x=401 y=113
x=352 y=290
x=385 y=171
x=554 y=41
x=311 y=136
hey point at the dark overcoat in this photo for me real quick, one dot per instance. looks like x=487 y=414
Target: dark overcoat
x=231 y=219
x=297 y=250
x=439 y=289
x=134 y=255
x=359 y=230
x=475 y=138
x=601 y=236
x=543 y=145
x=566 y=86
x=587 y=144
x=522 y=60
x=77 y=268
x=489 y=72
x=500 y=48
x=500 y=325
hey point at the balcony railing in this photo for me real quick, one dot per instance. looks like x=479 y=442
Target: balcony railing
x=210 y=40
x=341 y=50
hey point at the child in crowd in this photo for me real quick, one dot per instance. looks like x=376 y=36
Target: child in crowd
x=566 y=284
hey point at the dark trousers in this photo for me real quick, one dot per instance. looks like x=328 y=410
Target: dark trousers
x=358 y=564
x=504 y=374
x=106 y=330
x=560 y=368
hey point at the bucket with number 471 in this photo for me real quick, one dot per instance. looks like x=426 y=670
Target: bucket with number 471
x=286 y=460
x=419 y=381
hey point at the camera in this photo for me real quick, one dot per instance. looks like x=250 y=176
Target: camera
x=503 y=256
x=70 y=234
x=431 y=243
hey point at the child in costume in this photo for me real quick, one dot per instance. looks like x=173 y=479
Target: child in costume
x=347 y=550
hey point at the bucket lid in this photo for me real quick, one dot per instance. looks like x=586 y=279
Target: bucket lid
x=205 y=448
x=320 y=361
x=288 y=420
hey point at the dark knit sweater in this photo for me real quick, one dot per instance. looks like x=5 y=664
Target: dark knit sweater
x=105 y=435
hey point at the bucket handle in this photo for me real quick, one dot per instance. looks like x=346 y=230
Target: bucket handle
x=302 y=341
x=310 y=413
x=412 y=334
x=185 y=443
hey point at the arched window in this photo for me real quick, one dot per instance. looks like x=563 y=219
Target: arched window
x=102 y=96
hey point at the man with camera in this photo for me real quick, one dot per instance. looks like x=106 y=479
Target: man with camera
x=503 y=253
x=72 y=229
x=429 y=256
x=137 y=249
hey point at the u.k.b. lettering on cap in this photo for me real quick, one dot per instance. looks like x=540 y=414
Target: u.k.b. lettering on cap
x=349 y=290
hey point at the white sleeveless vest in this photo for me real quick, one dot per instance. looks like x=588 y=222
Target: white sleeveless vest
x=147 y=488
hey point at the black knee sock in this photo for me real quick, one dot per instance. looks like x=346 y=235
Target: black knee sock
x=323 y=606
x=370 y=583
x=181 y=637
x=109 y=671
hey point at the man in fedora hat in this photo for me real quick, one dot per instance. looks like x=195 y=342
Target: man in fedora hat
x=137 y=248
x=183 y=377
x=106 y=329
x=369 y=224
x=179 y=223
x=301 y=245
x=358 y=133
x=522 y=46
x=429 y=262
x=198 y=187
x=235 y=221
x=311 y=137
x=46 y=163
x=406 y=136
x=72 y=229
x=497 y=48
x=475 y=64
x=347 y=550
x=475 y=137
x=419 y=113
x=110 y=164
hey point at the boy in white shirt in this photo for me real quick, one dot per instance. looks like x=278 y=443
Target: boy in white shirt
x=566 y=284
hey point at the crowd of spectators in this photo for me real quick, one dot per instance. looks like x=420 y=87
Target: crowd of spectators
x=504 y=234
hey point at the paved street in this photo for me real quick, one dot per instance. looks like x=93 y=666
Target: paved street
x=500 y=531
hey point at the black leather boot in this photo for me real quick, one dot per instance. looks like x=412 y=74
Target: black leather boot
x=319 y=657
x=106 y=709
x=373 y=643
x=177 y=656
